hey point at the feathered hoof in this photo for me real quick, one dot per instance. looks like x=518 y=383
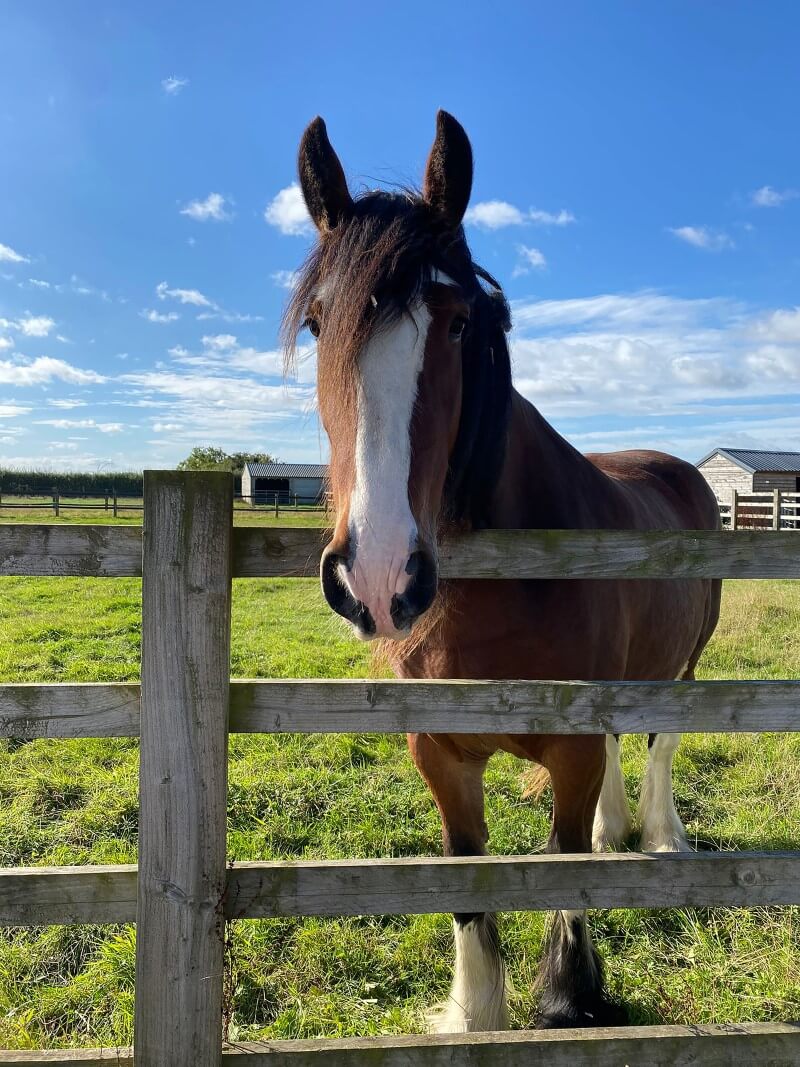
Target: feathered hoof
x=605 y=1013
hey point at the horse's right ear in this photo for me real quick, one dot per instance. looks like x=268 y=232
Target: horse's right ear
x=322 y=179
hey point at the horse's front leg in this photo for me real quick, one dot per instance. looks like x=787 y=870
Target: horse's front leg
x=477 y=998
x=570 y=980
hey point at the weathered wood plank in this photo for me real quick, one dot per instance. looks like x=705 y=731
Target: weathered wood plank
x=86 y=709
x=769 y=1045
x=114 y=551
x=50 y=550
x=53 y=896
x=398 y=706
x=725 y=1045
x=186 y=611
x=512 y=883
x=347 y=706
x=260 y=553
x=410 y=886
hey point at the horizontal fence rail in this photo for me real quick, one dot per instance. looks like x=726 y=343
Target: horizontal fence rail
x=116 y=552
x=112 y=709
x=423 y=886
x=731 y=1045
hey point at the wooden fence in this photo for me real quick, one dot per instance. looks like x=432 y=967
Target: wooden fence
x=183 y=891
x=777 y=510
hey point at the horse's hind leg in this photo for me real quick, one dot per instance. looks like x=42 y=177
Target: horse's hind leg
x=612 y=819
x=477 y=998
x=571 y=974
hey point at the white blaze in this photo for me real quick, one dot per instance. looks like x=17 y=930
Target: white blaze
x=382 y=527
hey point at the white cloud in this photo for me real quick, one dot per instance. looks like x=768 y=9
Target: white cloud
x=156 y=316
x=221 y=342
x=766 y=196
x=6 y=342
x=12 y=411
x=45 y=369
x=228 y=316
x=694 y=363
x=8 y=255
x=38 y=283
x=82 y=424
x=497 y=214
x=287 y=211
x=35 y=325
x=172 y=85
x=212 y=208
x=529 y=259
x=285 y=279
x=703 y=237
x=67 y=404
x=185 y=296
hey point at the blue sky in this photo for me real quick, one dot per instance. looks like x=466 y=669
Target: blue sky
x=637 y=191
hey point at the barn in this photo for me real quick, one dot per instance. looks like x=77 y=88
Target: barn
x=750 y=470
x=303 y=482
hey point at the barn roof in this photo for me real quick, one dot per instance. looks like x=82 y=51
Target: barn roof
x=287 y=470
x=757 y=460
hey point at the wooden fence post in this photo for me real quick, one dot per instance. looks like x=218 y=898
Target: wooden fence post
x=186 y=611
x=734 y=509
x=276 y=505
x=114 y=498
x=56 y=507
x=776 y=509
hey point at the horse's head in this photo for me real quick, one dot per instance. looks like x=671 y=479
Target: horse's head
x=392 y=297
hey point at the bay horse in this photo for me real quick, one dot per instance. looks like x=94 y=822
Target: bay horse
x=428 y=435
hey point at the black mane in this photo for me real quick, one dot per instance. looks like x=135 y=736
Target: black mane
x=388 y=248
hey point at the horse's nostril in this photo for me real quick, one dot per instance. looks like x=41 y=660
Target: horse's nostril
x=421 y=590
x=339 y=596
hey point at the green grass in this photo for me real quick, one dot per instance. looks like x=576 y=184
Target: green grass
x=65 y=802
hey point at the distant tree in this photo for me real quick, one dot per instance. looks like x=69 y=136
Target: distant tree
x=205 y=459
x=215 y=459
x=238 y=459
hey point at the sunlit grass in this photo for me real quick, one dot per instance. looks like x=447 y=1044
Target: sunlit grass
x=65 y=802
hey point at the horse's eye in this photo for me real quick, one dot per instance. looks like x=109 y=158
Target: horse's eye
x=312 y=325
x=457 y=328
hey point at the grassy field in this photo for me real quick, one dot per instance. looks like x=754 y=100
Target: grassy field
x=64 y=802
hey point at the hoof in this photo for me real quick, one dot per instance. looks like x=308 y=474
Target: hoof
x=672 y=839
x=606 y=1013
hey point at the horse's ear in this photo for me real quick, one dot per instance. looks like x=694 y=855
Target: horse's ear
x=448 y=173
x=322 y=179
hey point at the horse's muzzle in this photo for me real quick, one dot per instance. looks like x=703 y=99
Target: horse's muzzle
x=379 y=615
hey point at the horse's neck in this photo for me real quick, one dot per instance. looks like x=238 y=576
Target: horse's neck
x=544 y=481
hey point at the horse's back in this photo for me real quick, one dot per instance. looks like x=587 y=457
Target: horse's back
x=663 y=492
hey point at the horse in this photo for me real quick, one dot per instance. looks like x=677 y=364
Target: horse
x=428 y=436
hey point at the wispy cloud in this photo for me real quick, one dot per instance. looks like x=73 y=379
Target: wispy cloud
x=13 y=411
x=713 y=370
x=194 y=297
x=285 y=279
x=156 y=316
x=528 y=259
x=8 y=255
x=288 y=213
x=82 y=424
x=29 y=325
x=173 y=85
x=497 y=214
x=45 y=369
x=185 y=296
x=766 y=196
x=211 y=209
x=66 y=404
x=703 y=237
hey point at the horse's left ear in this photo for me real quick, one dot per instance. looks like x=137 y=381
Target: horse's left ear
x=448 y=173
